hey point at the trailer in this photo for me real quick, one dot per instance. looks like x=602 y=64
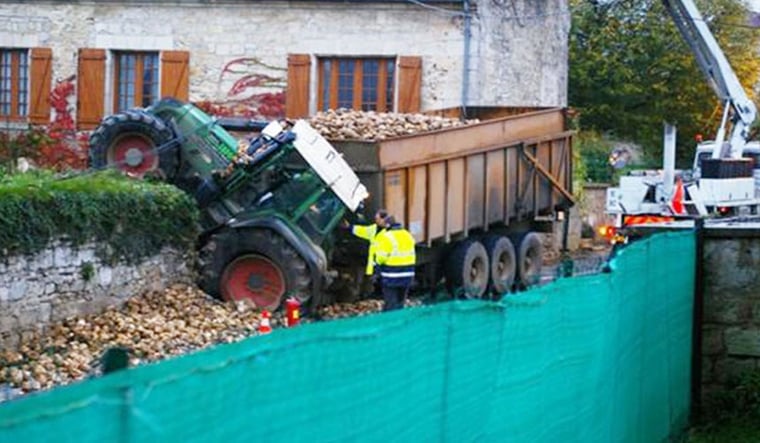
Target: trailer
x=474 y=197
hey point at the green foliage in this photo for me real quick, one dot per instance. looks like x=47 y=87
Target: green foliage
x=26 y=144
x=630 y=71
x=128 y=219
x=742 y=398
x=738 y=430
x=87 y=271
x=732 y=415
x=594 y=153
x=592 y=159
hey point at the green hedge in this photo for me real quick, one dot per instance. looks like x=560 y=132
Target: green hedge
x=128 y=219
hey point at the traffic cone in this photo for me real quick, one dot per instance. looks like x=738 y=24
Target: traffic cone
x=264 y=326
x=678 y=197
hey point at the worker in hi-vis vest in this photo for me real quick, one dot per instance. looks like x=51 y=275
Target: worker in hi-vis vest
x=390 y=259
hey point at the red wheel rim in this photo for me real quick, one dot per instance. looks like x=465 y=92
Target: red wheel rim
x=255 y=278
x=133 y=154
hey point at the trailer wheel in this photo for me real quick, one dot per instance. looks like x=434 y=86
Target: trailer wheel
x=467 y=269
x=253 y=264
x=529 y=259
x=129 y=141
x=503 y=269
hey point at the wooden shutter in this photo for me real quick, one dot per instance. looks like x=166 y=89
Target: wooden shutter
x=409 y=84
x=175 y=74
x=40 y=75
x=297 y=92
x=91 y=84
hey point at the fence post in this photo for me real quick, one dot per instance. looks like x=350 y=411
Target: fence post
x=696 y=325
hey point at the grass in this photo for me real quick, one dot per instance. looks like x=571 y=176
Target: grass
x=739 y=430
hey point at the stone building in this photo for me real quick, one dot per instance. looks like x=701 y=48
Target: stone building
x=267 y=57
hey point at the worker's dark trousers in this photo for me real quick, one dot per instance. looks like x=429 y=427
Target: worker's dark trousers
x=394 y=297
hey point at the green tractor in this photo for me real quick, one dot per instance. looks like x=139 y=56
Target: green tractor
x=269 y=206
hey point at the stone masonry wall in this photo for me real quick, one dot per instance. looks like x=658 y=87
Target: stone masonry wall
x=731 y=328
x=517 y=55
x=61 y=282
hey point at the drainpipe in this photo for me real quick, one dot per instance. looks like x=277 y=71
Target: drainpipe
x=466 y=61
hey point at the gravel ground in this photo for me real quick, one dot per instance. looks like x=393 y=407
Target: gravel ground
x=159 y=325
x=153 y=326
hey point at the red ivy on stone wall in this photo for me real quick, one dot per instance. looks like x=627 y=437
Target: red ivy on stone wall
x=65 y=148
x=266 y=106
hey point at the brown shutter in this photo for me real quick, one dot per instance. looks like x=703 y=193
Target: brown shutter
x=175 y=74
x=91 y=84
x=297 y=92
x=409 y=84
x=40 y=74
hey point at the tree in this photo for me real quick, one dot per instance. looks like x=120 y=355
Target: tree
x=630 y=71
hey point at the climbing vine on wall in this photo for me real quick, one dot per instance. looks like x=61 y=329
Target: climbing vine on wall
x=65 y=148
x=253 y=94
x=57 y=146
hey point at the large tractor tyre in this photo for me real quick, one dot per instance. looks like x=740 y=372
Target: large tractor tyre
x=529 y=259
x=136 y=143
x=253 y=264
x=467 y=270
x=503 y=261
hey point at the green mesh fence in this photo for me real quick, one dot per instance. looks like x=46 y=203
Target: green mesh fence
x=603 y=358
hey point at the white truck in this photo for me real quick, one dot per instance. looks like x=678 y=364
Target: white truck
x=725 y=176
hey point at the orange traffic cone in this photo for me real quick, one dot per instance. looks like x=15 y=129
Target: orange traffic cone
x=264 y=326
x=678 y=197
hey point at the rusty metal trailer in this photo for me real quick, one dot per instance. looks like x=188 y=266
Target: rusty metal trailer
x=473 y=196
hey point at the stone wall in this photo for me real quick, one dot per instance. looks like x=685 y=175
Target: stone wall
x=62 y=282
x=594 y=205
x=731 y=328
x=514 y=55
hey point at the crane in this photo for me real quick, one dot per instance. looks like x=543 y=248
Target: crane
x=723 y=184
x=720 y=76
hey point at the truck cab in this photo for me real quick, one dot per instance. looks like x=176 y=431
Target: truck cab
x=751 y=151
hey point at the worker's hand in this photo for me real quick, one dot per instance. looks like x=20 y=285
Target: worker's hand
x=344 y=224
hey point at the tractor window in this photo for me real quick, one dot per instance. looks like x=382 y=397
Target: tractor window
x=136 y=80
x=321 y=215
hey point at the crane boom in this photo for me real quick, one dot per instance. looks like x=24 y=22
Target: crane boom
x=713 y=63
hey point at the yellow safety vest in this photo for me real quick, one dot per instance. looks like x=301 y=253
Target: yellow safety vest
x=395 y=254
x=368 y=232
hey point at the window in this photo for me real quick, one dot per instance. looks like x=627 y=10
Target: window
x=14 y=83
x=356 y=83
x=383 y=84
x=136 y=80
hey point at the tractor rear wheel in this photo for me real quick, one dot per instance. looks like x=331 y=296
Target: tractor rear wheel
x=136 y=143
x=503 y=269
x=257 y=265
x=467 y=269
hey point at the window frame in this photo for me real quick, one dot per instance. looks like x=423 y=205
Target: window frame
x=328 y=83
x=15 y=83
x=138 y=96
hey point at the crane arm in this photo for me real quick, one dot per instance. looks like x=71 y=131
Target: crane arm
x=713 y=63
